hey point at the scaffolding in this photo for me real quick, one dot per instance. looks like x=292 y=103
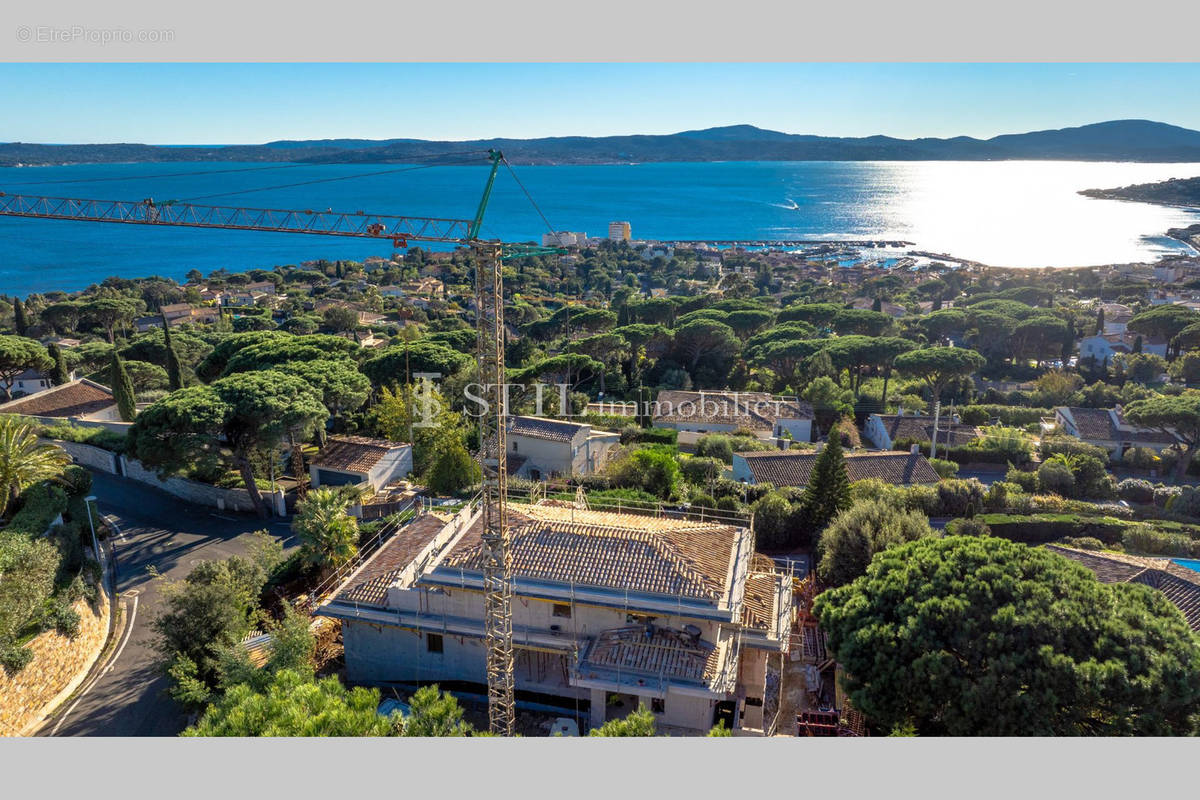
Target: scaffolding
x=497 y=569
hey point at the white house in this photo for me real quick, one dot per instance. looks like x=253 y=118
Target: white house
x=360 y=461
x=885 y=430
x=539 y=447
x=610 y=610
x=1106 y=345
x=31 y=382
x=704 y=412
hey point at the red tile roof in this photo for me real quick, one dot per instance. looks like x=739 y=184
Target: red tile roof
x=75 y=399
x=353 y=453
x=370 y=583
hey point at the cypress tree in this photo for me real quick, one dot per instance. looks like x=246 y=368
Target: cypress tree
x=122 y=389
x=828 y=490
x=174 y=369
x=20 y=322
x=1100 y=321
x=60 y=375
x=877 y=305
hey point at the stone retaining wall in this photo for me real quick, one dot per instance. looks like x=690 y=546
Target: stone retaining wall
x=185 y=489
x=89 y=455
x=59 y=664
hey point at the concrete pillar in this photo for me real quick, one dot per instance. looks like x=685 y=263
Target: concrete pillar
x=599 y=708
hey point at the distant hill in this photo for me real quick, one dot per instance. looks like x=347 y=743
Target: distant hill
x=1175 y=192
x=1119 y=140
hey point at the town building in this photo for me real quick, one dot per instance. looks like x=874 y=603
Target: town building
x=1107 y=428
x=564 y=239
x=793 y=467
x=360 y=461
x=885 y=430
x=620 y=231
x=540 y=448
x=695 y=414
x=1116 y=317
x=609 y=610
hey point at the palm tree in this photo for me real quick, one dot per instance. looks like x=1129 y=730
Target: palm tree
x=24 y=460
x=329 y=535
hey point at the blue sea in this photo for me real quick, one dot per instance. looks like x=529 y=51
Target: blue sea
x=1024 y=214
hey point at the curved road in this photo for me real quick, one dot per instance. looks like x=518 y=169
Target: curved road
x=127 y=695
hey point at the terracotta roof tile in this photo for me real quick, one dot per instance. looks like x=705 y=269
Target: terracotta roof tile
x=75 y=399
x=370 y=583
x=792 y=468
x=689 y=560
x=353 y=453
x=920 y=429
x=551 y=430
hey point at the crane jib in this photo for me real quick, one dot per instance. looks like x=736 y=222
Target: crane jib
x=359 y=224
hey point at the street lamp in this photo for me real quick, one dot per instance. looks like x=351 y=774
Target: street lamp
x=87 y=501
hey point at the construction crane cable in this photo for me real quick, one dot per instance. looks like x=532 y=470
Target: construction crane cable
x=532 y=202
x=308 y=183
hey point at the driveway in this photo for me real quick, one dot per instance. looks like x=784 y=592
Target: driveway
x=161 y=532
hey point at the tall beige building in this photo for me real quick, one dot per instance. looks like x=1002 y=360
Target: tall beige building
x=619 y=231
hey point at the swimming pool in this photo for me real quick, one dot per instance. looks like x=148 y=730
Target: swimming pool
x=1191 y=563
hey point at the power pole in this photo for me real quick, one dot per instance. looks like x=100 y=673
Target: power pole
x=497 y=569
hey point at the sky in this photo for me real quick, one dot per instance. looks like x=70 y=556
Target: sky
x=255 y=103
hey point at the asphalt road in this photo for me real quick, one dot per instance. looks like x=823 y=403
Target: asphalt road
x=156 y=530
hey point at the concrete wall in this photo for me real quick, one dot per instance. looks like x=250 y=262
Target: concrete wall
x=801 y=429
x=89 y=456
x=550 y=458
x=189 y=490
x=395 y=465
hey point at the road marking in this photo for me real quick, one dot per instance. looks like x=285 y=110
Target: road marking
x=111 y=662
x=221 y=516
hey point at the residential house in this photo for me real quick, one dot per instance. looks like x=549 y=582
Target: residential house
x=893 y=310
x=1108 y=428
x=793 y=467
x=31 y=382
x=1103 y=347
x=369 y=318
x=1116 y=317
x=360 y=461
x=697 y=413
x=80 y=399
x=610 y=610
x=539 y=448
x=1179 y=584
x=885 y=430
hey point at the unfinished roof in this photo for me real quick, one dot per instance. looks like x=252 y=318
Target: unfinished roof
x=369 y=584
x=686 y=559
x=658 y=651
x=353 y=453
x=792 y=468
x=920 y=429
x=751 y=410
x=75 y=399
x=1180 y=584
x=550 y=430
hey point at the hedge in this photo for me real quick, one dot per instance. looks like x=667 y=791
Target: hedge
x=1042 y=528
x=965 y=455
x=1015 y=416
x=96 y=437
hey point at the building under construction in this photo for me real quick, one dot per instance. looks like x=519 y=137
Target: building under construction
x=610 y=610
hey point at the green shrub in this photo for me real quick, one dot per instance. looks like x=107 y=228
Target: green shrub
x=14 y=658
x=59 y=615
x=1026 y=481
x=1150 y=541
x=1135 y=490
x=943 y=467
x=715 y=445
x=1186 y=503
x=1069 y=445
x=42 y=502
x=967 y=527
x=1055 y=476
x=1140 y=458
x=631 y=434
x=1083 y=543
x=958 y=498
x=96 y=437
x=1164 y=494
x=76 y=480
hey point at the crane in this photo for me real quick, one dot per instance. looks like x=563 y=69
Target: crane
x=489 y=328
